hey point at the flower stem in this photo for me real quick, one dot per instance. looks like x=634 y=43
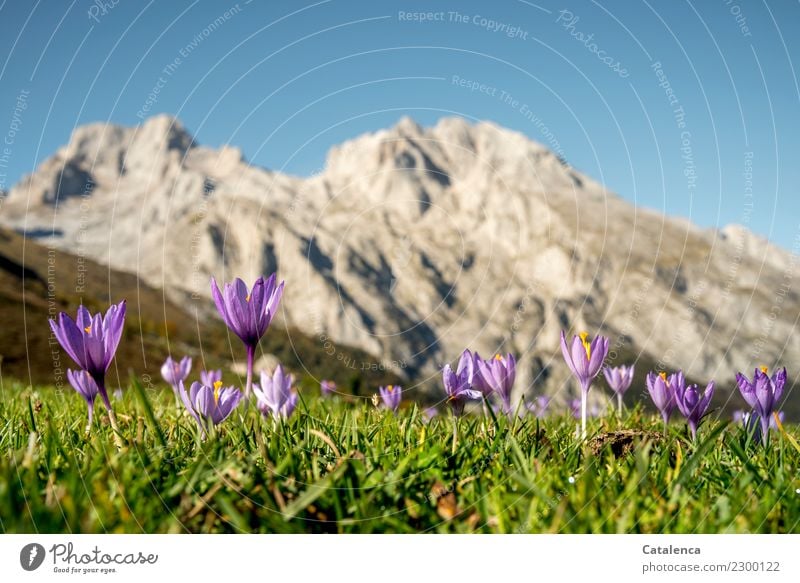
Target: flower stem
x=251 y=352
x=89 y=422
x=583 y=413
x=619 y=403
x=764 y=430
x=111 y=416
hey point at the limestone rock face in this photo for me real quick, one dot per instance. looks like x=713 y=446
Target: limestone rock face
x=415 y=243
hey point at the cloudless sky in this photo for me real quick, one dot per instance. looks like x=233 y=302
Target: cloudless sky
x=285 y=81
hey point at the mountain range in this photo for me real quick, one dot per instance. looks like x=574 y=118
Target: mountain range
x=414 y=243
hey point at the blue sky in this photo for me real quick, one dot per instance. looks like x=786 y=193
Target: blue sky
x=286 y=80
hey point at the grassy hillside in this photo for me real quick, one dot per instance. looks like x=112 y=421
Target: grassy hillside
x=37 y=282
x=336 y=466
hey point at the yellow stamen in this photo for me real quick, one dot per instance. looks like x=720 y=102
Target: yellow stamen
x=764 y=369
x=88 y=329
x=663 y=375
x=247 y=299
x=390 y=388
x=584 y=336
x=498 y=357
x=217 y=387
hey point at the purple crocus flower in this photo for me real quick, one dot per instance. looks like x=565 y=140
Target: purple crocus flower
x=663 y=389
x=92 y=341
x=210 y=377
x=459 y=385
x=619 y=378
x=762 y=393
x=391 y=396
x=248 y=313
x=585 y=360
x=209 y=406
x=498 y=374
x=693 y=405
x=538 y=406
x=327 y=387
x=177 y=372
x=274 y=395
x=84 y=384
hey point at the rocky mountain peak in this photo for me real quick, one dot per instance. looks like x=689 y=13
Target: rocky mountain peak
x=164 y=132
x=92 y=142
x=408 y=127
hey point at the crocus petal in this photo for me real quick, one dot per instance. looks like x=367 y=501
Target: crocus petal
x=219 y=301
x=255 y=305
x=466 y=365
x=662 y=394
x=209 y=377
x=234 y=298
x=779 y=382
x=279 y=383
x=204 y=402
x=765 y=395
x=579 y=359
x=95 y=350
x=599 y=351
x=707 y=396
x=228 y=401
x=188 y=403
x=612 y=378
x=84 y=384
x=186 y=366
x=112 y=325
x=289 y=406
x=471 y=394
x=567 y=355
x=273 y=301
x=167 y=371
x=487 y=375
x=746 y=389
x=449 y=380
x=84 y=318
x=511 y=370
x=70 y=339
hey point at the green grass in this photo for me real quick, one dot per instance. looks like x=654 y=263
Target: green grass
x=343 y=466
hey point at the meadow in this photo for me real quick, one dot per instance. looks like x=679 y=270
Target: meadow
x=342 y=465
